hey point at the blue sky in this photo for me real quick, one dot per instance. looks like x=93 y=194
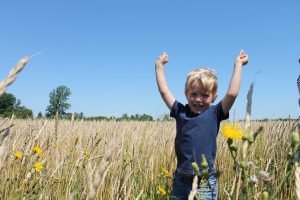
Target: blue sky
x=104 y=51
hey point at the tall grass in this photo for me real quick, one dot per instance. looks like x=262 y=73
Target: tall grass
x=119 y=160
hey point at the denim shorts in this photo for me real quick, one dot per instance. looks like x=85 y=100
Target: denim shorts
x=182 y=186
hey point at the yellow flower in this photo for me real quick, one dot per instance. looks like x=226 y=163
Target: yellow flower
x=37 y=150
x=18 y=154
x=161 y=191
x=166 y=172
x=232 y=131
x=87 y=152
x=38 y=166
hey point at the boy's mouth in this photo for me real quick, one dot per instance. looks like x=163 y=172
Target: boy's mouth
x=198 y=106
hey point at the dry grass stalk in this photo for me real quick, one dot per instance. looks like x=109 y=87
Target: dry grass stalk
x=139 y=196
x=249 y=105
x=72 y=196
x=297 y=182
x=4 y=133
x=95 y=176
x=3 y=144
x=73 y=116
x=247 y=126
x=39 y=133
x=297 y=174
x=194 y=188
x=12 y=74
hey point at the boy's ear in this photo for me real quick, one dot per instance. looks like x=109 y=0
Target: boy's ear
x=215 y=97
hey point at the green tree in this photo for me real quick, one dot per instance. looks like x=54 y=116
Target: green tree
x=40 y=115
x=145 y=117
x=58 y=101
x=9 y=105
x=20 y=112
x=166 y=117
x=124 y=117
x=77 y=116
x=7 y=102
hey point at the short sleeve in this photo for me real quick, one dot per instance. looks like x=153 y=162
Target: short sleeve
x=176 y=108
x=219 y=112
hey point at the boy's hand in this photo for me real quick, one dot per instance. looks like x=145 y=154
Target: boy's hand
x=242 y=58
x=162 y=59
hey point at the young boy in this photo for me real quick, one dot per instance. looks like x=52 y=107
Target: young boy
x=197 y=123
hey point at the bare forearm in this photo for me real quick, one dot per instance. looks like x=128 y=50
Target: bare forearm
x=163 y=87
x=162 y=84
x=235 y=82
x=233 y=89
x=160 y=78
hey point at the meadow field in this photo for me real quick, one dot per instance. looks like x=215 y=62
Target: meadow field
x=63 y=159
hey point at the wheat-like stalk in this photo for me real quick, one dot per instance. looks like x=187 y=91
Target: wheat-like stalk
x=4 y=133
x=94 y=177
x=245 y=144
x=297 y=174
x=3 y=146
x=297 y=182
x=12 y=74
x=249 y=105
x=194 y=188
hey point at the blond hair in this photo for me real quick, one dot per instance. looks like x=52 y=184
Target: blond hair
x=206 y=77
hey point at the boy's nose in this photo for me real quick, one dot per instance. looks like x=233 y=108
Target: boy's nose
x=198 y=98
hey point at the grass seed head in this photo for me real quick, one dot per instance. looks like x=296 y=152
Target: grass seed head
x=204 y=163
x=195 y=167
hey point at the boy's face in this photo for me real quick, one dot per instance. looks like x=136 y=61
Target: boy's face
x=198 y=99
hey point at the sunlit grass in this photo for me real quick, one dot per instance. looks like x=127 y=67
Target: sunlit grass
x=119 y=160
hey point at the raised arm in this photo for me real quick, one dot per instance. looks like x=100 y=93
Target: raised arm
x=162 y=84
x=298 y=84
x=234 y=86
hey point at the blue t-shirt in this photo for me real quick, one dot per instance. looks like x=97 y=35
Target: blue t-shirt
x=196 y=134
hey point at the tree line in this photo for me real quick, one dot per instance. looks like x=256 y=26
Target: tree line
x=58 y=106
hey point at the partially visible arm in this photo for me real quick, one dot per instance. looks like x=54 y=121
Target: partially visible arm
x=162 y=84
x=234 y=86
x=298 y=84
